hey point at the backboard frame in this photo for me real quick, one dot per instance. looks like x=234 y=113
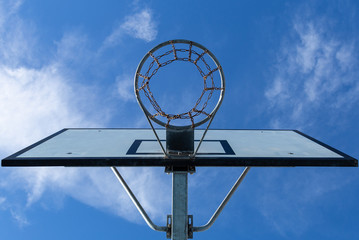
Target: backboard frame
x=161 y=161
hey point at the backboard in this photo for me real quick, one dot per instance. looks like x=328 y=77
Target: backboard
x=139 y=147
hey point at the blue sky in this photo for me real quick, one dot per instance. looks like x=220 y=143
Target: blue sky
x=288 y=64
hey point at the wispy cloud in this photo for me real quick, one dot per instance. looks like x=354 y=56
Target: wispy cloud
x=140 y=25
x=17 y=214
x=125 y=88
x=16 y=36
x=286 y=198
x=70 y=43
x=19 y=218
x=315 y=71
x=7 y=10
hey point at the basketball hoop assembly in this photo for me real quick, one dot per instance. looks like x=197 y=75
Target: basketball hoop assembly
x=180 y=137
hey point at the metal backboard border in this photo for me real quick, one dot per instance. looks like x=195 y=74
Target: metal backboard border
x=160 y=161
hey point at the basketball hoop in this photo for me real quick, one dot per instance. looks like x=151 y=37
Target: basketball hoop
x=185 y=51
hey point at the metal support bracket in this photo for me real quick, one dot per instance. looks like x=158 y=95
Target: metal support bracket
x=190 y=226
x=169 y=224
x=185 y=168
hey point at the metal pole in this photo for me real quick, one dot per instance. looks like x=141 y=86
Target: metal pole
x=179 y=225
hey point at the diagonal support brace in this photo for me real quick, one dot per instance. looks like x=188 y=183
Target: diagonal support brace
x=137 y=204
x=223 y=204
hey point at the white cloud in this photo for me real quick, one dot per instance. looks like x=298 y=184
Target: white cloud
x=16 y=36
x=308 y=47
x=2 y=200
x=315 y=72
x=125 y=88
x=34 y=103
x=7 y=9
x=345 y=57
x=17 y=215
x=71 y=43
x=19 y=218
x=139 y=25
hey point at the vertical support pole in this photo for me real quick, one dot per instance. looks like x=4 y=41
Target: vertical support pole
x=179 y=228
